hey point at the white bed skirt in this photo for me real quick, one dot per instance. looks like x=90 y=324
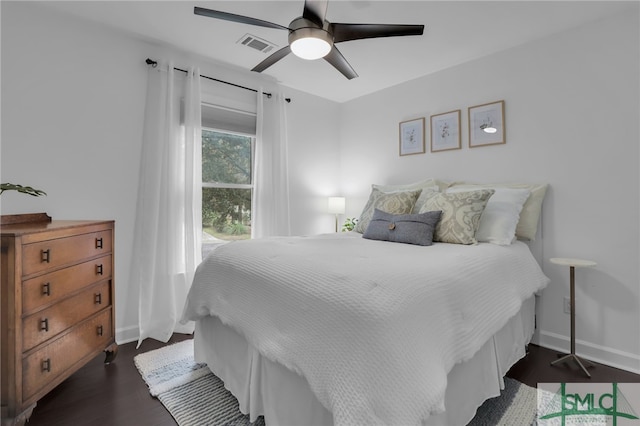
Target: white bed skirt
x=264 y=387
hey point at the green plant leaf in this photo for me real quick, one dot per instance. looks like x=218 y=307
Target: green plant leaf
x=22 y=189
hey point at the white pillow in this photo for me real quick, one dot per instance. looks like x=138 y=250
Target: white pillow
x=501 y=215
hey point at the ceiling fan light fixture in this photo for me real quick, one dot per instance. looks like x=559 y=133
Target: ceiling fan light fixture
x=311 y=36
x=310 y=43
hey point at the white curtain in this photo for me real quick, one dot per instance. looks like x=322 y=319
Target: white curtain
x=270 y=207
x=168 y=223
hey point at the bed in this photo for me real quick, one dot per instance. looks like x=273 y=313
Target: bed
x=349 y=329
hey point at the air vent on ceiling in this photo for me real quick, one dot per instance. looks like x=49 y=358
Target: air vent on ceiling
x=257 y=43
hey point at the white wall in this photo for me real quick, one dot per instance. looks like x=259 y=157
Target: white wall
x=314 y=163
x=73 y=98
x=72 y=107
x=572 y=108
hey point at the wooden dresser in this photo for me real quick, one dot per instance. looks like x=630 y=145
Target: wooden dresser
x=56 y=305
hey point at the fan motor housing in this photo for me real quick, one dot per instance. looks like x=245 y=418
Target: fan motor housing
x=304 y=28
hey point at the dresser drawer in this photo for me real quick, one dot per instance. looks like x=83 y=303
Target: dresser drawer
x=51 y=254
x=49 y=288
x=43 y=366
x=44 y=325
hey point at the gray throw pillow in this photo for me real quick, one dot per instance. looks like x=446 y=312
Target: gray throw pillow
x=403 y=228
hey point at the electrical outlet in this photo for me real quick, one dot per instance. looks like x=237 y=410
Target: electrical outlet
x=567 y=305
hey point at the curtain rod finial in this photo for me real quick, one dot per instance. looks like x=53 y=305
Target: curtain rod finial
x=151 y=62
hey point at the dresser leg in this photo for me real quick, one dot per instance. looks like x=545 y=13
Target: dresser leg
x=110 y=353
x=20 y=419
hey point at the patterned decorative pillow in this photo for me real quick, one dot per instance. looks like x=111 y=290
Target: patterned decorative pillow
x=424 y=196
x=427 y=185
x=500 y=217
x=394 y=203
x=530 y=214
x=461 y=212
x=403 y=228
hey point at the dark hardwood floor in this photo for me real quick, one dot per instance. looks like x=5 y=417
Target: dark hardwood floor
x=535 y=368
x=105 y=395
x=115 y=394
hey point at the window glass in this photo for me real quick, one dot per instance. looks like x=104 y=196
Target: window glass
x=226 y=157
x=226 y=186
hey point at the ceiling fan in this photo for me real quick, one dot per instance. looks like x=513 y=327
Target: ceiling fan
x=311 y=36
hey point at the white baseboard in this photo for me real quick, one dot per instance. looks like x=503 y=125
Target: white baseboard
x=603 y=355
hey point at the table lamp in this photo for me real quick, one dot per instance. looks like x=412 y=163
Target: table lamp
x=336 y=206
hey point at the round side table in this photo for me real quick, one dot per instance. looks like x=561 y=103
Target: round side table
x=572 y=264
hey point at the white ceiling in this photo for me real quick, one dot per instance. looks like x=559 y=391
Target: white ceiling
x=455 y=32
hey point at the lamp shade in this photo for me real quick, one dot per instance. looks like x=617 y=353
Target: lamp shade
x=336 y=205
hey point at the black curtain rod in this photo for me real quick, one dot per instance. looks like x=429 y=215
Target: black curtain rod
x=155 y=64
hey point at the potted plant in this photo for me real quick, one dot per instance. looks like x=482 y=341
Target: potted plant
x=349 y=224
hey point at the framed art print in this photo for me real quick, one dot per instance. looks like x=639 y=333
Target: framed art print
x=412 y=137
x=445 y=131
x=486 y=124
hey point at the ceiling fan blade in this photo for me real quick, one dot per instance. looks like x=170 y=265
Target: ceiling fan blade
x=315 y=10
x=346 y=32
x=336 y=59
x=272 y=59
x=236 y=18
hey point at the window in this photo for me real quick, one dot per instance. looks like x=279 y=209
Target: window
x=226 y=186
x=228 y=141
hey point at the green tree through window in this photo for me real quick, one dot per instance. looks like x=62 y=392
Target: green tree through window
x=226 y=184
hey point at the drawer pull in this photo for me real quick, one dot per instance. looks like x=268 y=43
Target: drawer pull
x=46 y=289
x=99 y=269
x=44 y=324
x=45 y=255
x=99 y=243
x=98 y=299
x=100 y=330
x=46 y=364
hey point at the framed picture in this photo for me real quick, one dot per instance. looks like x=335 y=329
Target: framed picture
x=445 y=131
x=486 y=124
x=412 y=137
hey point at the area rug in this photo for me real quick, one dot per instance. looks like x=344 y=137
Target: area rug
x=196 y=397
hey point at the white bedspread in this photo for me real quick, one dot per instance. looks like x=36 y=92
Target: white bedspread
x=373 y=326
